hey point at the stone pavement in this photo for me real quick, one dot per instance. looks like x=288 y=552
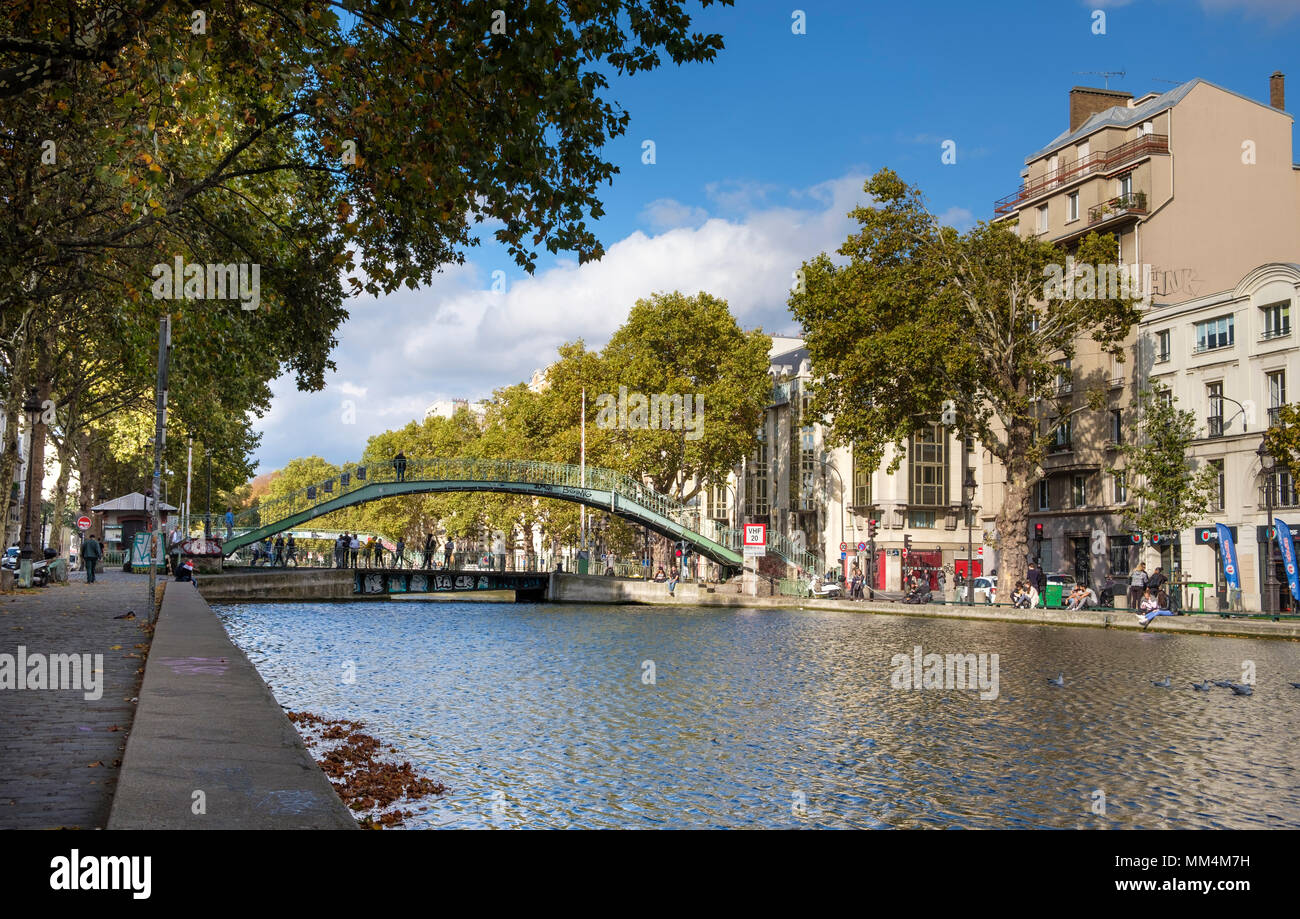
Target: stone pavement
x=211 y=748
x=60 y=752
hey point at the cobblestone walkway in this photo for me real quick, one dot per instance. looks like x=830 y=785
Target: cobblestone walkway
x=59 y=751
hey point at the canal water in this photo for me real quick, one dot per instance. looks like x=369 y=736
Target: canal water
x=603 y=716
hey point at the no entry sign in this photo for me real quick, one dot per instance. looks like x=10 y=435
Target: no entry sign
x=83 y=523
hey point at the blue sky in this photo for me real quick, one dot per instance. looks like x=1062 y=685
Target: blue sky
x=758 y=157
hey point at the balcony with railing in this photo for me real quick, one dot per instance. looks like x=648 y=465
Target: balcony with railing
x=1119 y=206
x=1214 y=426
x=1275 y=416
x=1102 y=161
x=1281 y=331
x=1284 y=495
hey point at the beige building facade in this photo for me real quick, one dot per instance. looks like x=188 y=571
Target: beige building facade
x=1199 y=188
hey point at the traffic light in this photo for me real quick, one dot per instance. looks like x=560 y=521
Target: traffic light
x=907 y=543
x=871 y=529
x=1038 y=532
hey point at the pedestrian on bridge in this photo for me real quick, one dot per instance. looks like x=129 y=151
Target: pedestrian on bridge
x=399 y=466
x=292 y=551
x=354 y=547
x=448 y=551
x=278 y=559
x=230 y=523
x=430 y=544
x=399 y=551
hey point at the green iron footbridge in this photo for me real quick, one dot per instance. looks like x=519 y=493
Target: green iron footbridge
x=602 y=489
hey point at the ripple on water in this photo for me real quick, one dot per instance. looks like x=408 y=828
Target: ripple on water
x=539 y=715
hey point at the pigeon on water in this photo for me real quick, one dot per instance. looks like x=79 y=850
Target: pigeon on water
x=1203 y=686
x=1240 y=690
x=129 y=614
x=1059 y=681
x=1163 y=684
x=1222 y=684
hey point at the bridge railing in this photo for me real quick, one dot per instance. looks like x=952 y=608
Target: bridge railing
x=507 y=471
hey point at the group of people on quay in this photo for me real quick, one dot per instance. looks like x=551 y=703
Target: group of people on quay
x=352 y=550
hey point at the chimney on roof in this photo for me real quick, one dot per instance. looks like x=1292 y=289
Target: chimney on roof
x=1086 y=101
x=1277 y=90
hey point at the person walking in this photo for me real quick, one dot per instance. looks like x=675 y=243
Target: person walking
x=175 y=548
x=230 y=523
x=91 y=553
x=354 y=548
x=292 y=551
x=399 y=466
x=399 y=551
x=1137 y=584
x=448 y=552
x=1035 y=577
x=429 y=545
x=278 y=558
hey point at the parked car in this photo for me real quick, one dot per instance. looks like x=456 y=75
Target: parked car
x=986 y=591
x=10 y=560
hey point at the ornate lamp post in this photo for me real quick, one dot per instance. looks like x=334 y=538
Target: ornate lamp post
x=967 y=502
x=1266 y=463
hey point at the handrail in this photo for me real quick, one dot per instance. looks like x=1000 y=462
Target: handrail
x=1101 y=161
x=513 y=472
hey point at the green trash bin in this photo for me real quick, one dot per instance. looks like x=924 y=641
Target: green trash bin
x=583 y=563
x=1052 y=599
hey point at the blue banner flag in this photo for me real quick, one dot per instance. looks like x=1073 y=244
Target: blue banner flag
x=1229 y=552
x=1287 y=547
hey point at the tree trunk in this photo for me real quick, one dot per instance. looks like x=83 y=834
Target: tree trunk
x=61 y=494
x=1013 y=517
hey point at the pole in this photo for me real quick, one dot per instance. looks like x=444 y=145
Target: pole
x=189 y=470
x=582 y=508
x=160 y=427
x=207 y=517
x=1270 y=595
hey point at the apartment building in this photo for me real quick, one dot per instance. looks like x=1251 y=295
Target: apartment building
x=1198 y=187
x=799 y=486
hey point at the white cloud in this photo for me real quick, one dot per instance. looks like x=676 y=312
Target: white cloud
x=959 y=218
x=668 y=214
x=456 y=338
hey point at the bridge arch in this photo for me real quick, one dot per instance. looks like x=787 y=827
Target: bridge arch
x=602 y=489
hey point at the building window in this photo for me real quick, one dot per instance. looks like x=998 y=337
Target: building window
x=1061 y=441
x=1044 y=495
x=921 y=520
x=1120 y=485
x=1118 y=553
x=1085 y=148
x=1214 y=395
x=1116 y=426
x=1072 y=206
x=929 y=467
x=1162 y=346
x=756 y=500
x=861 y=482
x=1277 y=319
x=1064 y=377
x=718 y=496
x=1276 y=395
x=1042 y=219
x=1218 y=498
x=1284 y=492
x=1214 y=333
x=1126 y=185
x=1079 y=493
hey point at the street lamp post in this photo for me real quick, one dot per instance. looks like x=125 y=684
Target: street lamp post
x=967 y=503
x=844 y=508
x=32 y=409
x=1266 y=463
x=207 y=517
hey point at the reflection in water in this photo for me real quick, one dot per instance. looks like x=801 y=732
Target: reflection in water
x=548 y=715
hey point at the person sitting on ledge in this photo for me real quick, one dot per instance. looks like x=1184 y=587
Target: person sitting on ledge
x=660 y=575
